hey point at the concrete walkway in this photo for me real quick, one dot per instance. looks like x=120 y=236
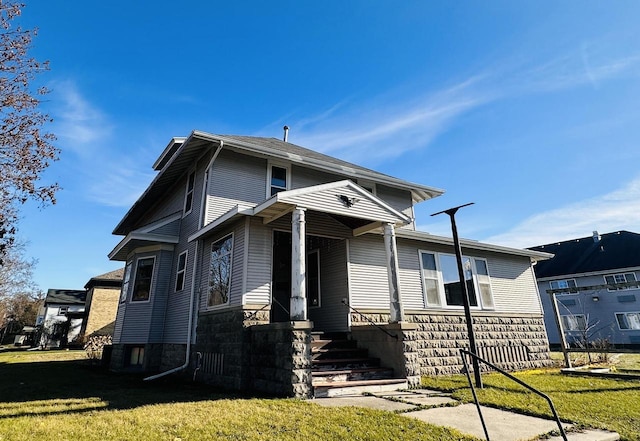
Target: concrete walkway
x=440 y=409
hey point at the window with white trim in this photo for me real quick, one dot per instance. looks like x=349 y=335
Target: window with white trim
x=136 y=356
x=142 y=282
x=441 y=282
x=628 y=320
x=63 y=310
x=220 y=271
x=612 y=279
x=188 y=197
x=563 y=284
x=125 y=282
x=575 y=322
x=279 y=178
x=181 y=270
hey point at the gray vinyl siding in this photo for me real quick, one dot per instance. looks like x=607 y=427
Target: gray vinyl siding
x=398 y=199
x=368 y=273
x=259 y=264
x=120 y=316
x=177 y=315
x=234 y=179
x=305 y=177
x=172 y=203
x=170 y=229
x=144 y=320
x=332 y=315
x=237 y=266
x=512 y=280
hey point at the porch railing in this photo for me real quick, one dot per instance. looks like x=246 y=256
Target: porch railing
x=344 y=302
x=511 y=377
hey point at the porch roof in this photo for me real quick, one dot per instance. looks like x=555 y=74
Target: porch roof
x=343 y=199
x=138 y=239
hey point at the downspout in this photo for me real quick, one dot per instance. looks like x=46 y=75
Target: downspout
x=190 y=331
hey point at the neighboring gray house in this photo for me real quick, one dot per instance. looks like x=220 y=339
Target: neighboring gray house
x=253 y=263
x=601 y=298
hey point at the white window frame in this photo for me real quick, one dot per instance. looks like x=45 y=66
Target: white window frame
x=563 y=284
x=625 y=314
x=623 y=276
x=269 y=175
x=229 y=283
x=189 y=193
x=570 y=323
x=135 y=277
x=125 y=282
x=476 y=278
x=181 y=271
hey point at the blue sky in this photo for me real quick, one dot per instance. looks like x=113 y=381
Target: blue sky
x=528 y=109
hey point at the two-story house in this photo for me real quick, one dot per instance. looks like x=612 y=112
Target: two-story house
x=245 y=257
x=595 y=281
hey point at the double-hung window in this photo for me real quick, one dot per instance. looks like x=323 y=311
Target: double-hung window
x=220 y=271
x=576 y=322
x=619 y=278
x=628 y=320
x=181 y=270
x=144 y=276
x=441 y=281
x=278 y=179
x=563 y=284
x=188 y=198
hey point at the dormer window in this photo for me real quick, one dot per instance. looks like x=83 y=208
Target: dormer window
x=188 y=199
x=278 y=179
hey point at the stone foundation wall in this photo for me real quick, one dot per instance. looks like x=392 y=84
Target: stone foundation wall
x=117 y=357
x=223 y=341
x=431 y=346
x=280 y=359
x=173 y=355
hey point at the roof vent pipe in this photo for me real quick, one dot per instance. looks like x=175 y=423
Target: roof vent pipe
x=286 y=133
x=596 y=236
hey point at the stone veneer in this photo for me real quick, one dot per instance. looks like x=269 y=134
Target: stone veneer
x=430 y=342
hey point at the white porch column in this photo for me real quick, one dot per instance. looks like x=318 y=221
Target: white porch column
x=298 y=305
x=393 y=270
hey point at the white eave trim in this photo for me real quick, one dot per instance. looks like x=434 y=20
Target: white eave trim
x=159 y=223
x=238 y=210
x=160 y=238
x=471 y=244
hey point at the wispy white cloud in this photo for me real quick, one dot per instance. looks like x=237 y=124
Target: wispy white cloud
x=610 y=212
x=111 y=176
x=79 y=125
x=389 y=125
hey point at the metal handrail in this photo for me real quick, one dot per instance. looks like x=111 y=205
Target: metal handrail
x=280 y=305
x=255 y=313
x=508 y=375
x=344 y=302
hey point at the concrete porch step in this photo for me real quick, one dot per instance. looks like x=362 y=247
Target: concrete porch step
x=352 y=374
x=324 y=364
x=342 y=388
x=338 y=353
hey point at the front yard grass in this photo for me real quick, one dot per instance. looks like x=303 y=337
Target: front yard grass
x=57 y=395
x=587 y=401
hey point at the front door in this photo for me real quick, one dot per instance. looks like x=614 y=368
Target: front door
x=281 y=277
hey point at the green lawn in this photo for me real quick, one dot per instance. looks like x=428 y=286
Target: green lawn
x=588 y=401
x=57 y=395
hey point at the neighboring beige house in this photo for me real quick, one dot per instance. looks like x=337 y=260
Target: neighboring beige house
x=103 y=292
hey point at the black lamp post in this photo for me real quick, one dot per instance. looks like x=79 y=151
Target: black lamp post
x=465 y=292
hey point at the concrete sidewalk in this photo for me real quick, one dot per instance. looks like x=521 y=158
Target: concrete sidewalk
x=440 y=409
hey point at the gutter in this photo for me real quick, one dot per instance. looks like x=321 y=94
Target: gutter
x=190 y=331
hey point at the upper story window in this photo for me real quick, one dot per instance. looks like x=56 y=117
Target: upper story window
x=220 y=271
x=619 y=278
x=441 y=282
x=125 y=282
x=181 y=270
x=144 y=276
x=279 y=178
x=188 y=198
x=63 y=310
x=563 y=284
x=628 y=320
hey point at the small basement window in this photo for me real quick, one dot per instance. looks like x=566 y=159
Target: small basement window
x=136 y=356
